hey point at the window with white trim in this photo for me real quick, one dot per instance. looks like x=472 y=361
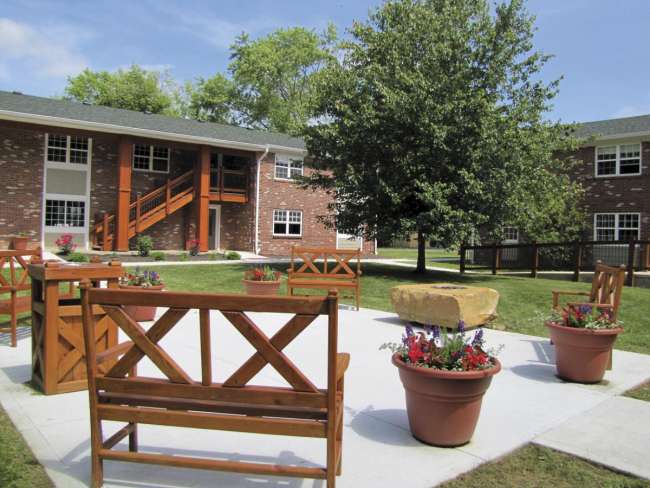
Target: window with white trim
x=511 y=234
x=616 y=226
x=618 y=160
x=65 y=213
x=67 y=149
x=151 y=158
x=287 y=223
x=287 y=168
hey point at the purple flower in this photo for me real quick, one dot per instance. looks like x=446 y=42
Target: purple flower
x=585 y=309
x=436 y=332
x=461 y=327
x=478 y=338
x=409 y=330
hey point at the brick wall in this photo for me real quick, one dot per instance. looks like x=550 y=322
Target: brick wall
x=615 y=194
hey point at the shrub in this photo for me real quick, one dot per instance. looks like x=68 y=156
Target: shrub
x=77 y=257
x=184 y=257
x=213 y=256
x=144 y=245
x=66 y=244
x=158 y=256
x=233 y=255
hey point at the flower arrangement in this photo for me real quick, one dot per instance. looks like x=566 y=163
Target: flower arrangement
x=66 y=244
x=453 y=352
x=265 y=273
x=585 y=316
x=141 y=278
x=193 y=247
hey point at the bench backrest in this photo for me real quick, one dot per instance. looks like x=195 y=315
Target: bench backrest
x=325 y=262
x=13 y=268
x=607 y=285
x=119 y=378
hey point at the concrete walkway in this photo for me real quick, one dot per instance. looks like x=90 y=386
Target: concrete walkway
x=525 y=403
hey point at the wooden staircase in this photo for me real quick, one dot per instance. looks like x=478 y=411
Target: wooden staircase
x=146 y=211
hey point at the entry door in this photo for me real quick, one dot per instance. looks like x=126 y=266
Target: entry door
x=214 y=227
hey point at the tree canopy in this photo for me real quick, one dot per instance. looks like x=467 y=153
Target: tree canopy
x=433 y=121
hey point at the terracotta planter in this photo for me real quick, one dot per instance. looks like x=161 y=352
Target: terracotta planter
x=141 y=313
x=582 y=355
x=261 y=287
x=443 y=406
x=19 y=243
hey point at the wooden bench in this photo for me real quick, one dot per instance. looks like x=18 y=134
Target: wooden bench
x=14 y=285
x=326 y=269
x=120 y=394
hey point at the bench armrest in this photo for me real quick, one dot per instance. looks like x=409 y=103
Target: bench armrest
x=112 y=352
x=591 y=304
x=342 y=363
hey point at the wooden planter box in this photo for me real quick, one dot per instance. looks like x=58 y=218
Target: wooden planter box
x=58 y=362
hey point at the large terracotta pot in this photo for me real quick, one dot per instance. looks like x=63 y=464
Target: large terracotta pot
x=582 y=355
x=19 y=243
x=261 y=287
x=141 y=313
x=443 y=406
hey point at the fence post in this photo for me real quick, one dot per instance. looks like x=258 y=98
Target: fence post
x=138 y=209
x=630 y=264
x=535 y=263
x=463 y=252
x=495 y=258
x=577 y=264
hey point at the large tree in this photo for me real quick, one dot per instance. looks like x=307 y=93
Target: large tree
x=433 y=122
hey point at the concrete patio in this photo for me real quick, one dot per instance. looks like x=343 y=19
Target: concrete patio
x=525 y=403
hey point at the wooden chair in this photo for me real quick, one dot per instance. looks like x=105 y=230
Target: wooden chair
x=335 y=271
x=14 y=285
x=122 y=395
x=606 y=288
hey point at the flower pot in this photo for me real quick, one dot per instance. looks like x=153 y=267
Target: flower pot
x=582 y=355
x=19 y=243
x=443 y=406
x=261 y=287
x=141 y=313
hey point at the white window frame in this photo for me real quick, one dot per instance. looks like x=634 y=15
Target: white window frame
x=617 y=227
x=506 y=240
x=68 y=165
x=290 y=162
x=286 y=223
x=65 y=228
x=618 y=161
x=151 y=159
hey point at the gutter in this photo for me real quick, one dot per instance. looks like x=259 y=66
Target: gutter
x=149 y=133
x=257 y=200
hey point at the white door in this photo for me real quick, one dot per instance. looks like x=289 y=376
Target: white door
x=214 y=227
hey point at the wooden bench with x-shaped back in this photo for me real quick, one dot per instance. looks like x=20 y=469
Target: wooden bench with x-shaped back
x=120 y=394
x=326 y=269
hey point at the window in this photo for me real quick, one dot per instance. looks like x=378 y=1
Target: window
x=511 y=234
x=67 y=149
x=620 y=160
x=65 y=213
x=287 y=223
x=287 y=168
x=616 y=226
x=151 y=158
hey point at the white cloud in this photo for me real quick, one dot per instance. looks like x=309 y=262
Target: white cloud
x=49 y=51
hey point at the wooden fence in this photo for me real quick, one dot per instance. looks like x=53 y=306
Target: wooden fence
x=575 y=256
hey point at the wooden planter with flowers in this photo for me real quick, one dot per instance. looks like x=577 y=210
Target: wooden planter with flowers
x=141 y=280
x=262 y=281
x=444 y=378
x=583 y=336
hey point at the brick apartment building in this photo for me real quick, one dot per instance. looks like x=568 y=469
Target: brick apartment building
x=106 y=175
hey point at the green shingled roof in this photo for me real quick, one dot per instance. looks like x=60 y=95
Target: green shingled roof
x=614 y=127
x=27 y=104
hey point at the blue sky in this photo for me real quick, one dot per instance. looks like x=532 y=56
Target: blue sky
x=600 y=46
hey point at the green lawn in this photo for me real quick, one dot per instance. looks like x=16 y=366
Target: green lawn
x=640 y=393
x=522 y=305
x=536 y=467
x=412 y=254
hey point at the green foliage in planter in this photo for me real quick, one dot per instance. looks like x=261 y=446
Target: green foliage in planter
x=232 y=255
x=213 y=256
x=184 y=257
x=77 y=257
x=144 y=245
x=158 y=256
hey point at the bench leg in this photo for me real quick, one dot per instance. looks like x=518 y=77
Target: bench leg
x=133 y=438
x=339 y=429
x=97 y=470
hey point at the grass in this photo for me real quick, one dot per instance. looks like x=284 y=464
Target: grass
x=412 y=254
x=534 y=467
x=640 y=392
x=523 y=301
x=19 y=468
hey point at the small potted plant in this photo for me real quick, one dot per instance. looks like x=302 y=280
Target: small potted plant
x=583 y=336
x=444 y=378
x=141 y=280
x=66 y=244
x=262 y=281
x=193 y=247
x=19 y=242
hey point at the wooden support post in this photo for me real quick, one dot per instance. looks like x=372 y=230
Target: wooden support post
x=106 y=246
x=495 y=258
x=463 y=257
x=577 y=264
x=629 y=281
x=121 y=240
x=168 y=197
x=202 y=197
x=535 y=260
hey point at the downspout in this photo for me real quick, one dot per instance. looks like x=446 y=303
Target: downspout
x=257 y=200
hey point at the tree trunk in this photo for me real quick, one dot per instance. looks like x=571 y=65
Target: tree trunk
x=422 y=242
